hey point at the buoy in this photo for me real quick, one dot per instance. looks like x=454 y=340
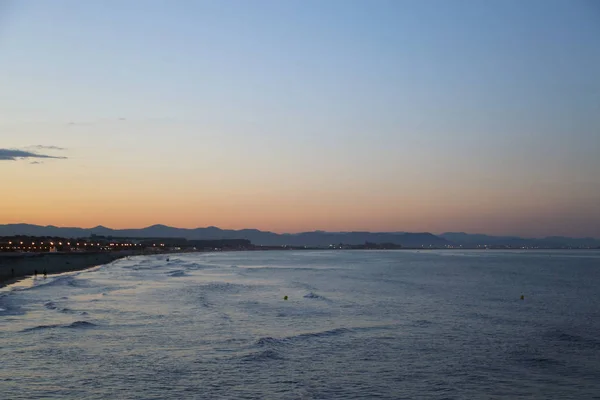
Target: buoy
x=285 y=297
x=522 y=297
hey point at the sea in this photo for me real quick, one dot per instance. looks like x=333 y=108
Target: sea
x=438 y=324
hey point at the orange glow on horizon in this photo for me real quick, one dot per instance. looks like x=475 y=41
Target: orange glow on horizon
x=297 y=206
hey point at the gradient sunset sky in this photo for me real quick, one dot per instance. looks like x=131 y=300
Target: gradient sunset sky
x=428 y=115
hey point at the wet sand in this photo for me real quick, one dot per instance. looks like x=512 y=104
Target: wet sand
x=14 y=266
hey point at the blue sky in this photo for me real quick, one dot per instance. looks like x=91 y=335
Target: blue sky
x=388 y=115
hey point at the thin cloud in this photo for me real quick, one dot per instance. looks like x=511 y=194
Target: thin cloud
x=96 y=122
x=36 y=162
x=13 y=155
x=42 y=147
x=80 y=123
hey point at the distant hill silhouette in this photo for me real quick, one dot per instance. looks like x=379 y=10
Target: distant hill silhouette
x=315 y=238
x=257 y=237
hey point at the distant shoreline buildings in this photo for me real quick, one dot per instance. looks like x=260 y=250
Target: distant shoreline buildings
x=47 y=244
x=96 y=243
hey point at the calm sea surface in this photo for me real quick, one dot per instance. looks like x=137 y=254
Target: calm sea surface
x=356 y=325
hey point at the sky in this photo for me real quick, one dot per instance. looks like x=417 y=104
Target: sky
x=298 y=115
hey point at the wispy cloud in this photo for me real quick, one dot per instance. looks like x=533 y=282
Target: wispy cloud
x=43 y=147
x=36 y=162
x=97 y=122
x=14 y=154
x=72 y=123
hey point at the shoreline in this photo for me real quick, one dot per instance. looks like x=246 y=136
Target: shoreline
x=25 y=264
x=17 y=266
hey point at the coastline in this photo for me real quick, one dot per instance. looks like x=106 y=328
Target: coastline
x=16 y=266
x=25 y=264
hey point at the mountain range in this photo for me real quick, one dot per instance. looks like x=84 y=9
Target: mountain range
x=315 y=238
x=257 y=237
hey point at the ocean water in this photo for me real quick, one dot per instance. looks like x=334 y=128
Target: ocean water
x=356 y=325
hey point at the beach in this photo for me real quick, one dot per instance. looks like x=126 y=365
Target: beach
x=14 y=266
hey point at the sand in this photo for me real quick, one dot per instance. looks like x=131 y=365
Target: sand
x=19 y=265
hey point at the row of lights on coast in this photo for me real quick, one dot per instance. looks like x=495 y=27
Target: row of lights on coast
x=22 y=245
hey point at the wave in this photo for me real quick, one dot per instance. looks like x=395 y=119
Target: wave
x=32 y=283
x=67 y=280
x=142 y=268
x=261 y=356
x=74 y=325
x=313 y=295
x=69 y=311
x=195 y=266
x=422 y=322
x=332 y=332
x=176 y=273
x=578 y=340
x=186 y=265
x=225 y=287
x=543 y=362
x=142 y=265
x=303 y=285
x=50 y=306
x=269 y=341
x=40 y=327
x=81 y=324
